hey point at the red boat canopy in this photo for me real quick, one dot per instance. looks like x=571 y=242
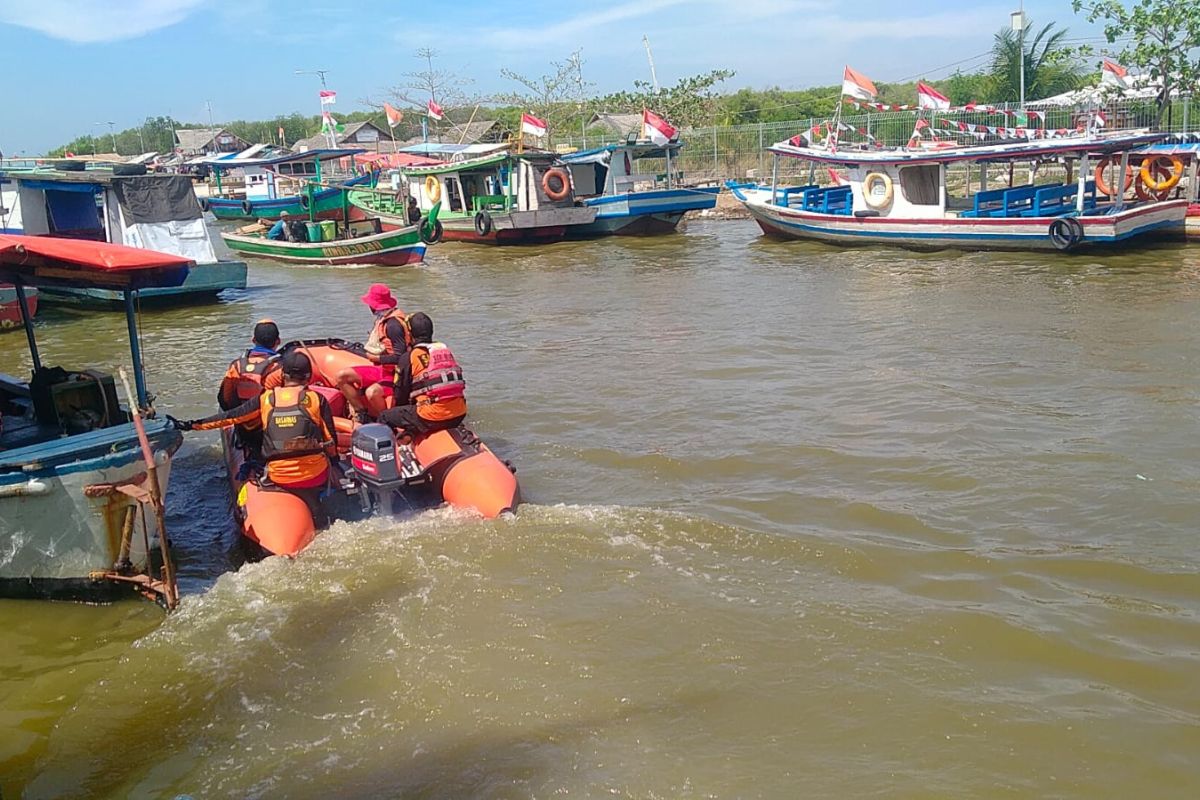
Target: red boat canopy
x=48 y=261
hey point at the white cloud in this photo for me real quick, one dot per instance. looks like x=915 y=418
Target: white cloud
x=86 y=21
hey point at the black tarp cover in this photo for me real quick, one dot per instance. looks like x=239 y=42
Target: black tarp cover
x=157 y=198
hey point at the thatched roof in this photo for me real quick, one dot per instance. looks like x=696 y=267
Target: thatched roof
x=193 y=141
x=619 y=124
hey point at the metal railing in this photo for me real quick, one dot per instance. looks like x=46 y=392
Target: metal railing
x=738 y=152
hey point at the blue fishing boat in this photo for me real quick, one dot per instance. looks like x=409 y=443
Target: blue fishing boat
x=153 y=212
x=275 y=182
x=80 y=474
x=629 y=202
x=901 y=197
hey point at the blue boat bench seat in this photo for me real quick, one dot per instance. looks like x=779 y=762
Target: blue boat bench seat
x=1042 y=200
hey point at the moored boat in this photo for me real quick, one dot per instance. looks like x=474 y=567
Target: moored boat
x=452 y=467
x=158 y=213
x=10 y=308
x=901 y=197
x=73 y=461
x=500 y=198
x=302 y=184
x=344 y=244
x=1178 y=154
x=629 y=202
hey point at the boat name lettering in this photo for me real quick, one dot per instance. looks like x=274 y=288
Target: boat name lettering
x=353 y=249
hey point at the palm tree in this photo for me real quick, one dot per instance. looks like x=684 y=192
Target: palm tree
x=1050 y=67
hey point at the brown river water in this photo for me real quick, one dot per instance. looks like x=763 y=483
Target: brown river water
x=801 y=522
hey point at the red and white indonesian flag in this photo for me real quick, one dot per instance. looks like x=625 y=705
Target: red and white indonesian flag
x=929 y=97
x=855 y=84
x=1113 y=74
x=394 y=115
x=328 y=98
x=533 y=126
x=657 y=129
x=433 y=110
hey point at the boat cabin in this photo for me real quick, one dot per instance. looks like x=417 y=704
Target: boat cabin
x=270 y=173
x=156 y=212
x=617 y=169
x=496 y=183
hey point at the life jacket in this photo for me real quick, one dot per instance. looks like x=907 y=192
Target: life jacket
x=441 y=380
x=292 y=425
x=378 y=343
x=251 y=369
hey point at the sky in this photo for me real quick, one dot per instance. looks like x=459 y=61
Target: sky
x=71 y=66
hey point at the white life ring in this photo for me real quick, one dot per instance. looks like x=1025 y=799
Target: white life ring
x=868 y=190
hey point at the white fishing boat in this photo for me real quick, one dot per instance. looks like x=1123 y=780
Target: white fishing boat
x=903 y=196
x=78 y=469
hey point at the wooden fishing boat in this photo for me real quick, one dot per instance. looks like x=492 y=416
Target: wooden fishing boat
x=901 y=197
x=277 y=182
x=75 y=466
x=499 y=198
x=343 y=244
x=629 y=202
x=158 y=213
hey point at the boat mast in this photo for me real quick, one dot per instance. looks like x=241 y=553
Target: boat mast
x=650 y=58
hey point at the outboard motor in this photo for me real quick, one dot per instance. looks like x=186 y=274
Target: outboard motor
x=379 y=466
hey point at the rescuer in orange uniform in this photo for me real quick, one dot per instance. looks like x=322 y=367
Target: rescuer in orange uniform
x=368 y=389
x=431 y=381
x=299 y=438
x=248 y=376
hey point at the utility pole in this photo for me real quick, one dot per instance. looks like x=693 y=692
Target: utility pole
x=650 y=58
x=1018 y=25
x=113 y=134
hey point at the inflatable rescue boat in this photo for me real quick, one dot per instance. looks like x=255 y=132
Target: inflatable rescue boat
x=376 y=473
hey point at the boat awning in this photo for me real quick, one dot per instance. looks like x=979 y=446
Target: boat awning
x=235 y=160
x=47 y=261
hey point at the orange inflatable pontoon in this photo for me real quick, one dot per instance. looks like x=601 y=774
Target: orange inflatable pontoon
x=451 y=466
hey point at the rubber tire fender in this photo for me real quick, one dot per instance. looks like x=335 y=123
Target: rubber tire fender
x=247 y=208
x=1066 y=233
x=305 y=201
x=430 y=236
x=483 y=223
x=203 y=205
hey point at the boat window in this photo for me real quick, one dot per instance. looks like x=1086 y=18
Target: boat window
x=921 y=185
x=453 y=195
x=74 y=213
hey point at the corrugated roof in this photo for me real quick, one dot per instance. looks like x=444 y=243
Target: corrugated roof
x=620 y=124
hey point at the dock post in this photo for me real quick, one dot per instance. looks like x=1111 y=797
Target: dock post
x=27 y=321
x=135 y=349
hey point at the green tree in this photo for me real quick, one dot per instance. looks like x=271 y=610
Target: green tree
x=1163 y=40
x=690 y=103
x=1050 y=67
x=559 y=98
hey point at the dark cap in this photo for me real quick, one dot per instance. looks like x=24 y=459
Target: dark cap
x=296 y=365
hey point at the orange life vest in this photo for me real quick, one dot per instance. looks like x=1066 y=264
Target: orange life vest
x=378 y=343
x=294 y=435
x=438 y=387
x=251 y=369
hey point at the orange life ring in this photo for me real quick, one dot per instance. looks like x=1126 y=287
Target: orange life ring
x=564 y=182
x=1159 y=174
x=1102 y=185
x=1153 y=164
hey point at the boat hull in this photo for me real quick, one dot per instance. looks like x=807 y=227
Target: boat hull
x=204 y=282
x=644 y=213
x=1021 y=233
x=54 y=530
x=544 y=226
x=395 y=248
x=10 y=309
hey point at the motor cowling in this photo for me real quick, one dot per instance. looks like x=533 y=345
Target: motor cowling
x=373 y=455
